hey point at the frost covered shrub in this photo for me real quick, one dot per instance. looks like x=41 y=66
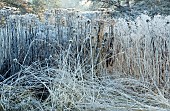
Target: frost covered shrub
x=145 y=47
x=24 y=40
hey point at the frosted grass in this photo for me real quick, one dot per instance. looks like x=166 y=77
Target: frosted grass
x=90 y=63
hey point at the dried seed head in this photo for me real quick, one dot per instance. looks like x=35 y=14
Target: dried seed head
x=106 y=34
x=63 y=21
x=88 y=21
x=147 y=20
x=74 y=30
x=15 y=60
x=108 y=12
x=70 y=41
x=101 y=22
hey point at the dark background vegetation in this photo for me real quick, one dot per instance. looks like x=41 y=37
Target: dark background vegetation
x=130 y=7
